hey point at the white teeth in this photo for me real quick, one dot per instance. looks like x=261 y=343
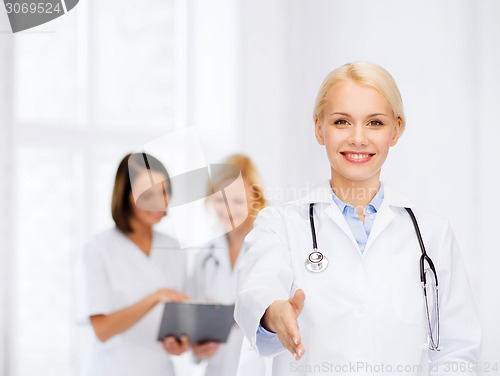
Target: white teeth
x=358 y=156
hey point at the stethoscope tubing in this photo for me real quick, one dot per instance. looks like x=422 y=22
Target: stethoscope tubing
x=424 y=256
x=313 y=230
x=210 y=256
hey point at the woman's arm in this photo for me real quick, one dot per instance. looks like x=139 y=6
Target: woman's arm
x=265 y=281
x=107 y=326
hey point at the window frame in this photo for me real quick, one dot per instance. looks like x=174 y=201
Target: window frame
x=81 y=137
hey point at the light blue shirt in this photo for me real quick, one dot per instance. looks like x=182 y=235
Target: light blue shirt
x=360 y=230
x=268 y=342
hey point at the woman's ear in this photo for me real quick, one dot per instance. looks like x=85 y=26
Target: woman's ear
x=397 y=132
x=318 y=131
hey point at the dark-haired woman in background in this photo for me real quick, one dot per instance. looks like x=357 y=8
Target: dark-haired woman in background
x=126 y=271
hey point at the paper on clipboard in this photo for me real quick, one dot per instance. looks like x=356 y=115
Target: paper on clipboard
x=200 y=321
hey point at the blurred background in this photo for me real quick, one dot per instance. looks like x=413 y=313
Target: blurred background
x=80 y=92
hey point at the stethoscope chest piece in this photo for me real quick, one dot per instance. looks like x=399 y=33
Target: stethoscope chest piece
x=316 y=262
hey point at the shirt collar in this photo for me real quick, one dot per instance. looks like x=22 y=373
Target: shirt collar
x=323 y=194
x=371 y=208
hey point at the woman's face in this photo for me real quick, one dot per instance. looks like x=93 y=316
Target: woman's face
x=238 y=207
x=357 y=129
x=151 y=205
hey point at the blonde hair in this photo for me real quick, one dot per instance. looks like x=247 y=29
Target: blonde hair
x=250 y=175
x=364 y=73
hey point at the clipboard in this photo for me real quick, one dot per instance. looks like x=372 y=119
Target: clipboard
x=200 y=321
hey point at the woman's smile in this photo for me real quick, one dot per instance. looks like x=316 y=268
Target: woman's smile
x=357 y=157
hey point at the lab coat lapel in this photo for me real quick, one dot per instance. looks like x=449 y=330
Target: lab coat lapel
x=338 y=218
x=322 y=196
x=386 y=213
x=383 y=219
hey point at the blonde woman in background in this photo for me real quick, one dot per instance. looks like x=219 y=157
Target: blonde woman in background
x=216 y=266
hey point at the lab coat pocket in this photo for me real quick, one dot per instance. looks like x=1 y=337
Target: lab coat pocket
x=407 y=302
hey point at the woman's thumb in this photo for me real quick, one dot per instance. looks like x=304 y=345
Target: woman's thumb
x=297 y=300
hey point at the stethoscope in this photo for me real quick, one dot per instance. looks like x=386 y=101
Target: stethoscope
x=209 y=257
x=316 y=262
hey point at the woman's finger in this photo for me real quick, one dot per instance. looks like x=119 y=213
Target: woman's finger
x=297 y=301
x=184 y=343
x=172 y=345
x=205 y=350
x=180 y=297
x=169 y=344
x=291 y=333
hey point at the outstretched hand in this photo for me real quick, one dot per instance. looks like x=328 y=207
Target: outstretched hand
x=281 y=317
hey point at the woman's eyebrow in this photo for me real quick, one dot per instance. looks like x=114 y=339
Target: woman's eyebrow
x=378 y=114
x=346 y=114
x=339 y=113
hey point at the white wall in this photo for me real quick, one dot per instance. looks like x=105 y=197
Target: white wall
x=5 y=187
x=485 y=203
x=445 y=57
x=213 y=75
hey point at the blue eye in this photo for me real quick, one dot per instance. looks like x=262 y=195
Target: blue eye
x=341 y=122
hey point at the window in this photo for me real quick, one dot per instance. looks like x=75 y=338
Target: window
x=89 y=87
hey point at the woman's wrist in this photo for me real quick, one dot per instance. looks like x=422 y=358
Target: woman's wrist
x=267 y=320
x=154 y=298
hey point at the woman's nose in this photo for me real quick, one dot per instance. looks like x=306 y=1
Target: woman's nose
x=358 y=135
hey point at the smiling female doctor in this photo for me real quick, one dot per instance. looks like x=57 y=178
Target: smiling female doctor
x=336 y=278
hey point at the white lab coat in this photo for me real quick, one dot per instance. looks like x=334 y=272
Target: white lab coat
x=114 y=273
x=215 y=280
x=366 y=309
